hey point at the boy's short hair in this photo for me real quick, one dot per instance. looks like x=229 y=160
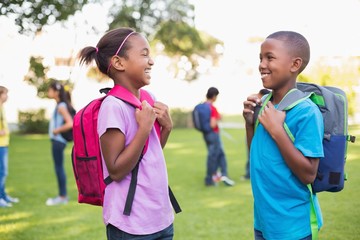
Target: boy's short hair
x=296 y=43
x=212 y=92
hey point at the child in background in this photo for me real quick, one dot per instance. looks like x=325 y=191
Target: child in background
x=124 y=55
x=61 y=121
x=216 y=158
x=5 y=199
x=280 y=168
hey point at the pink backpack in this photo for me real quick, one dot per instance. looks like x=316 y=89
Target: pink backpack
x=86 y=154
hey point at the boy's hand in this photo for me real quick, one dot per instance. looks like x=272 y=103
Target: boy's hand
x=272 y=119
x=249 y=106
x=163 y=115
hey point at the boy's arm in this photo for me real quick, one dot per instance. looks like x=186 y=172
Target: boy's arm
x=304 y=168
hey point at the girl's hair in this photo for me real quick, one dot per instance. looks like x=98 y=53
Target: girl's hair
x=64 y=95
x=107 y=47
x=3 y=90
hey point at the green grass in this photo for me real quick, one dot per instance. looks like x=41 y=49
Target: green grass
x=208 y=213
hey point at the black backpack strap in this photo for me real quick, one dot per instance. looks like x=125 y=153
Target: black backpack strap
x=107 y=180
x=174 y=202
x=132 y=188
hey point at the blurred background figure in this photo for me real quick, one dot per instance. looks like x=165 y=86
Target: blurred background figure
x=216 y=158
x=5 y=199
x=60 y=122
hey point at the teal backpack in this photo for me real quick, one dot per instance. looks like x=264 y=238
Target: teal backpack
x=332 y=103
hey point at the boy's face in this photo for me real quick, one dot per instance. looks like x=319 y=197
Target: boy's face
x=275 y=64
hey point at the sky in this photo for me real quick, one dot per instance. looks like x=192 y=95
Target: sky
x=331 y=27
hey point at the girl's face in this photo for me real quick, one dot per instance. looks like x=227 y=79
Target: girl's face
x=275 y=64
x=3 y=97
x=52 y=93
x=138 y=64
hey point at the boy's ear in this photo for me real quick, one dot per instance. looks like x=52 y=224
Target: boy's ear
x=117 y=63
x=296 y=65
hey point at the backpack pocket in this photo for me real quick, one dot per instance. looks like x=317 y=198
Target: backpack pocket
x=330 y=176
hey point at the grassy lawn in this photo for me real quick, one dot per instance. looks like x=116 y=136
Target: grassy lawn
x=220 y=212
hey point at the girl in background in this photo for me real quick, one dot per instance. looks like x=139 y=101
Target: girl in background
x=61 y=121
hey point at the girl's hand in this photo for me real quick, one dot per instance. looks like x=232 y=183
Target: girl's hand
x=163 y=115
x=145 y=117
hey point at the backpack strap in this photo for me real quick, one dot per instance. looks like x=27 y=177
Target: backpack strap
x=174 y=202
x=290 y=100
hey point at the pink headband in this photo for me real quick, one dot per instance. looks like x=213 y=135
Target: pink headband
x=121 y=45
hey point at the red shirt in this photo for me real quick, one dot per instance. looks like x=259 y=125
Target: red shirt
x=215 y=114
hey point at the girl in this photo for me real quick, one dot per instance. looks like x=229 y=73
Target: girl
x=5 y=199
x=124 y=55
x=61 y=121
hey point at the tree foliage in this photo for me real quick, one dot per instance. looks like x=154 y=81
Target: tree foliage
x=37 y=77
x=31 y=15
x=168 y=24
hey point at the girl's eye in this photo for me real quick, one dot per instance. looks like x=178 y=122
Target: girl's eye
x=145 y=53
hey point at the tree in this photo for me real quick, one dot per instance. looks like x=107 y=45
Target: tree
x=32 y=15
x=37 y=77
x=168 y=24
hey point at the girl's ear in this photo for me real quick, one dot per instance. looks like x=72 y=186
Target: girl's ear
x=296 y=64
x=117 y=63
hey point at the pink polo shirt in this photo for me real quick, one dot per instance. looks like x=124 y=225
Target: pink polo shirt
x=152 y=210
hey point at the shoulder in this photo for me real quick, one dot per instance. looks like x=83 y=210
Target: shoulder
x=307 y=107
x=113 y=105
x=61 y=105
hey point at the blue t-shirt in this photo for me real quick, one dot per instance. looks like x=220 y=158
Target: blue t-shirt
x=281 y=200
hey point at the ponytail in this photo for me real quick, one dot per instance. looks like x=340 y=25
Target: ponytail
x=107 y=47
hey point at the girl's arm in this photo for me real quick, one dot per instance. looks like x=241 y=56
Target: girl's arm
x=163 y=116
x=68 y=121
x=304 y=168
x=120 y=160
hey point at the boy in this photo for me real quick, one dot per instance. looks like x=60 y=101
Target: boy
x=216 y=156
x=280 y=168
